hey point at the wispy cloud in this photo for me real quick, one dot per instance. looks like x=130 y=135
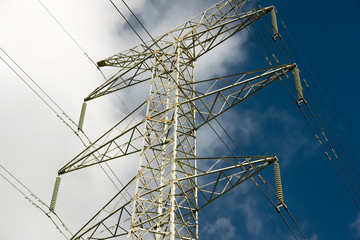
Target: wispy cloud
x=270 y=131
x=222 y=228
x=244 y=204
x=355 y=226
x=35 y=143
x=314 y=237
x=254 y=222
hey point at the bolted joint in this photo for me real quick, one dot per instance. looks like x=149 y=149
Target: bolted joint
x=101 y=63
x=271 y=159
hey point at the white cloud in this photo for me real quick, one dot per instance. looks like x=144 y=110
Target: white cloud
x=254 y=222
x=35 y=144
x=356 y=227
x=245 y=204
x=222 y=228
x=314 y=236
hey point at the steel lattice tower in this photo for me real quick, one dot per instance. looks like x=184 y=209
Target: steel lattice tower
x=173 y=184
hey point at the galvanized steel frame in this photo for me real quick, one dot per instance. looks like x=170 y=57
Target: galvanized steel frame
x=173 y=184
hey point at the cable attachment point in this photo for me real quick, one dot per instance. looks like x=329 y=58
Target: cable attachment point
x=298 y=86
x=55 y=194
x=274 y=24
x=82 y=116
x=279 y=191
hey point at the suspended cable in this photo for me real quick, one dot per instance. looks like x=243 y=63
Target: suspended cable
x=333 y=131
x=263 y=180
x=281 y=215
x=42 y=98
x=90 y=59
x=340 y=162
x=338 y=173
x=326 y=153
x=33 y=202
x=79 y=46
x=330 y=145
x=127 y=21
x=52 y=108
x=343 y=149
x=282 y=81
x=315 y=119
x=335 y=155
x=69 y=35
x=332 y=142
x=294 y=221
x=321 y=91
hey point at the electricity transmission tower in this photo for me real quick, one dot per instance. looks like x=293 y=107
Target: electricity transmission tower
x=173 y=183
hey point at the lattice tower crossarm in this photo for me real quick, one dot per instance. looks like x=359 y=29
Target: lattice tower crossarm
x=196 y=37
x=173 y=184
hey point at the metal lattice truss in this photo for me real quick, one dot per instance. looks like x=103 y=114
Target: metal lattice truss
x=173 y=184
x=207 y=105
x=222 y=175
x=195 y=38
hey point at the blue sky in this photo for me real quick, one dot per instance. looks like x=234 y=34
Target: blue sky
x=327 y=37
x=269 y=122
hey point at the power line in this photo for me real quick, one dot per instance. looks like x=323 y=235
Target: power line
x=263 y=180
x=321 y=122
x=321 y=91
x=38 y=94
x=92 y=61
x=69 y=35
x=35 y=201
x=315 y=115
x=56 y=109
x=153 y=39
